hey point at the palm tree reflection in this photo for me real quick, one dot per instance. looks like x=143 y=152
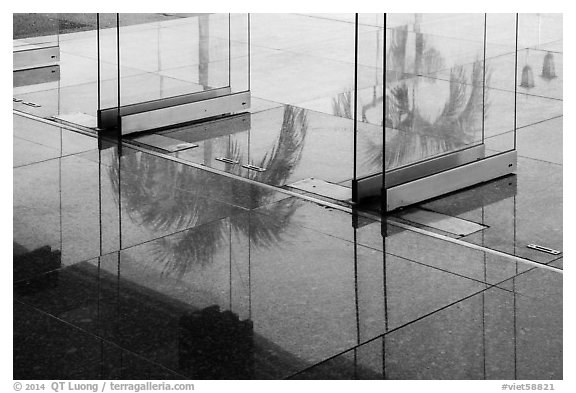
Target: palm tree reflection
x=166 y=197
x=413 y=131
x=415 y=136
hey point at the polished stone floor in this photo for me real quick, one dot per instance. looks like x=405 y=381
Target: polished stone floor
x=134 y=265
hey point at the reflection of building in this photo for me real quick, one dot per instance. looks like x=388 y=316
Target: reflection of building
x=215 y=344
x=27 y=264
x=196 y=344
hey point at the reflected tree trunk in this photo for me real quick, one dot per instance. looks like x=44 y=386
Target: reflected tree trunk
x=203 y=50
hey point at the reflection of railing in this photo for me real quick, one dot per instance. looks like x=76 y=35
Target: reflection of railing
x=163 y=196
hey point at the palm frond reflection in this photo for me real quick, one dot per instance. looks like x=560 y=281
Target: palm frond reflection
x=425 y=115
x=186 y=204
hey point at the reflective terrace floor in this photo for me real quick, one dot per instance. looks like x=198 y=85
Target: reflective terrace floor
x=135 y=265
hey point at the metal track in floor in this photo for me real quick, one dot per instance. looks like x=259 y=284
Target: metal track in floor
x=347 y=209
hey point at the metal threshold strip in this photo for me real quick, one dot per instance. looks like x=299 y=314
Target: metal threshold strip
x=307 y=197
x=476 y=247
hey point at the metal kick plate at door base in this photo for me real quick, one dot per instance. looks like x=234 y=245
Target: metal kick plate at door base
x=544 y=249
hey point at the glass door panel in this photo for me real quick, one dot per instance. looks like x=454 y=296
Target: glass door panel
x=108 y=61
x=369 y=94
x=435 y=90
x=438 y=108
x=168 y=58
x=239 y=53
x=165 y=65
x=68 y=87
x=504 y=65
x=36 y=54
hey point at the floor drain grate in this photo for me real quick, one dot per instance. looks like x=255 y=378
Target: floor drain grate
x=544 y=249
x=253 y=168
x=20 y=101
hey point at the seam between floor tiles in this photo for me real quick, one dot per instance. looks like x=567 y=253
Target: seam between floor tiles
x=55 y=158
x=85 y=84
x=489 y=286
x=536 y=159
x=152 y=152
x=99 y=338
x=497 y=284
x=35 y=142
x=34 y=163
x=494 y=88
x=335 y=20
x=449 y=272
x=290 y=50
x=346 y=209
x=476 y=247
x=184 y=162
x=539 y=46
x=235 y=215
x=174 y=233
x=381 y=336
x=370 y=247
x=127 y=248
x=525 y=126
x=388 y=332
x=302 y=226
x=436 y=35
x=78 y=155
x=513 y=291
x=192 y=191
x=535 y=123
x=500 y=133
x=53 y=123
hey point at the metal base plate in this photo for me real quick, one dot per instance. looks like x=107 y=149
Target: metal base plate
x=108 y=117
x=198 y=132
x=441 y=222
x=451 y=180
x=371 y=185
x=323 y=188
x=164 y=143
x=32 y=56
x=184 y=113
x=35 y=76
